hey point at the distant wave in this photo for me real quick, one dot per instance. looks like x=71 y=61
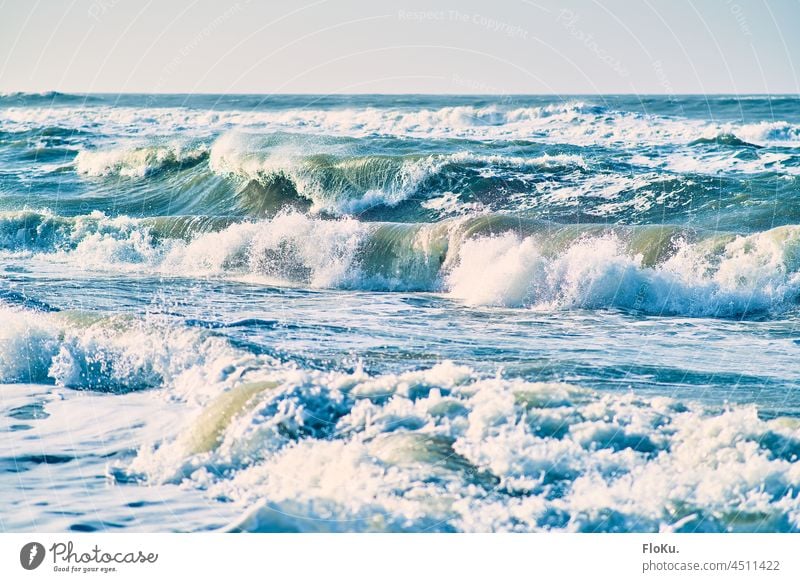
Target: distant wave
x=572 y=122
x=23 y=99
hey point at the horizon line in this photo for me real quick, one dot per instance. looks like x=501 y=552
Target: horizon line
x=400 y=94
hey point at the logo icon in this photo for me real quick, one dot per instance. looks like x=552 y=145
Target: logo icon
x=31 y=555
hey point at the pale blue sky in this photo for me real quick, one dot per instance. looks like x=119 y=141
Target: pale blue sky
x=403 y=46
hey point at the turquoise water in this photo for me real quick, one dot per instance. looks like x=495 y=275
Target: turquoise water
x=399 y=313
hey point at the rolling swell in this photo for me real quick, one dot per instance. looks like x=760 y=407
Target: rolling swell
x=725 y=140
x=26 y=99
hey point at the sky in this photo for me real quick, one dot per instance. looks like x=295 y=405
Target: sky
x=401 y=46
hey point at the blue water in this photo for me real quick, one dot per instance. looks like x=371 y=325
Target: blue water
x=399 y=313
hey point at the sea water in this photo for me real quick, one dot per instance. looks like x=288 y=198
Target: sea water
x=399 y=313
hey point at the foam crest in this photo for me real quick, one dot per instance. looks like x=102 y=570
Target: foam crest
x=47 y=233
x=770 y=132
x=722 y=276
x=290 y=247
x=723 y=163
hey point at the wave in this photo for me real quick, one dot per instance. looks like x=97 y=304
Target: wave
x=569 y=122
x=138 y=162
x=47 y=134
x=330 y=180
x=495 y=260
x=93 y=351
x=723 y=276
x=23 y=99
x=43 y=233
x=770 y=132
x=723 y=139
x=258 y=174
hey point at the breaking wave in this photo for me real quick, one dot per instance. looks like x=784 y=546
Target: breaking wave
x=93 y=351
x=486 y=260
x=319 y=174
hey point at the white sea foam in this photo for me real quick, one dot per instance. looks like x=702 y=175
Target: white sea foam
x=439 y=449
x=570 y=122
x=746 y=273
x=726 y=163
x=605 y=191
x=443 y=449
x=769 y=132
x=289 y=248
x=91 y=351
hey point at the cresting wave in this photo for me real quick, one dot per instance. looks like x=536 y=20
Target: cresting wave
x=316 y=173
x=339 y=178
x=255 y=175
x=139 y=161
x=486 y=260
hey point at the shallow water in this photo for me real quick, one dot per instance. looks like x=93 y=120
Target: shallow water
x=399 y=313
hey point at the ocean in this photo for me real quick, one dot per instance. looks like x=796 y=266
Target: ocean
x=399 y=313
